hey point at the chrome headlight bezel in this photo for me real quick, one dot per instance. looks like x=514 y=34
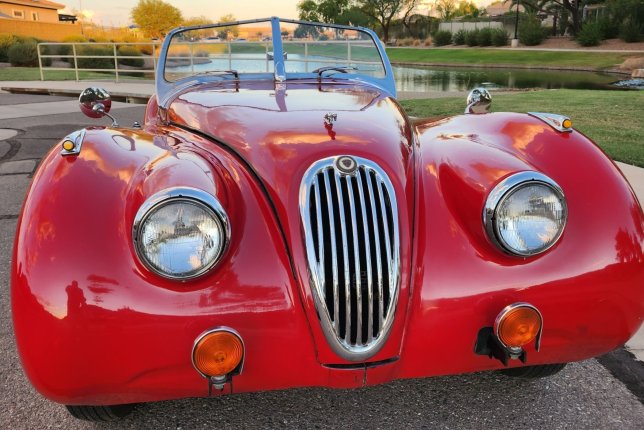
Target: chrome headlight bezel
x=200 y=198
x=502 y=192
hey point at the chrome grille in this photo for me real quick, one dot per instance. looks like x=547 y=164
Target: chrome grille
x=350 y=222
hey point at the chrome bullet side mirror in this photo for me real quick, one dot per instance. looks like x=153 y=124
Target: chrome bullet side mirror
x=96 y=102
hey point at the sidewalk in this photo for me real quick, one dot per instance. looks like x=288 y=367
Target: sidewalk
x=129 y=92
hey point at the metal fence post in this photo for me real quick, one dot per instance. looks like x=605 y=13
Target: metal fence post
x=192 y=58
x=154 y=59
x=116 y=63
x=75 y=61
x=42 y=78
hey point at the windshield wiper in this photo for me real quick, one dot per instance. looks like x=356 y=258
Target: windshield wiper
x=341 y=69
x=235 y=73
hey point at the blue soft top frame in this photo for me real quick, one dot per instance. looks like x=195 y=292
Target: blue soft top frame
x=166 y=89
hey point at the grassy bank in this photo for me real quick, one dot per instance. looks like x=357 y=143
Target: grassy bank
x=548 y=59
x=33 y=74
x=613 y=119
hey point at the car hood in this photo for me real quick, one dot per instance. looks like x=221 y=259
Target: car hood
x=280 y=129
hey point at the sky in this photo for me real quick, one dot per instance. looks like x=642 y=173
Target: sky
x=116 y=13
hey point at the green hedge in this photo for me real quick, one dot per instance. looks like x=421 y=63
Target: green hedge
x=459 y=37
x=631 y=31
x=130 y=51
x=531 y=32
x=590 y=34
x=472 y=38
x=95 y=63
x=500 y=37
x=442 y=38
x=25 y=54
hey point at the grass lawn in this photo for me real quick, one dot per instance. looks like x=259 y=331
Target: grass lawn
x=591 y=60
x=613 y=119
x=33 y=74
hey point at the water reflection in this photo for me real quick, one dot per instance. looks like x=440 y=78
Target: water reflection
x=443 y=79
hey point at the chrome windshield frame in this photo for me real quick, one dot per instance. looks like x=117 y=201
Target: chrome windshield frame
x=167 y=90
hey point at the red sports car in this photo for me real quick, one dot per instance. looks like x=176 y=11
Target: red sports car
x=278 y=221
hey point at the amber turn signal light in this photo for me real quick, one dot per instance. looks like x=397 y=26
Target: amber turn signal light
x=217 y=353
x=68 y=145
x=517 y=325
x=567 y=123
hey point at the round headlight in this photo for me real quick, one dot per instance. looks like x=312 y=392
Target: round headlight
x=525 y=214
x=181 y=233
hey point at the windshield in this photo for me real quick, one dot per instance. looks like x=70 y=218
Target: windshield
x=247 y=48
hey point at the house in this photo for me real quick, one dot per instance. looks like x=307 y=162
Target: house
x=30 y=10
x=37 y=18
x=500 y=8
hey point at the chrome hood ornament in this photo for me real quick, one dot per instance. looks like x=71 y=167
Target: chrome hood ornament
x=479 y=101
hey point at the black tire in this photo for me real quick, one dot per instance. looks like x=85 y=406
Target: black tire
x=100 y=413
x=531 y=372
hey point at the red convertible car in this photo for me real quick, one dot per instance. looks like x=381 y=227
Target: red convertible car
x=279 y=221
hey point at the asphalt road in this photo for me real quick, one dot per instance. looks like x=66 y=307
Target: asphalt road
x=584 y=395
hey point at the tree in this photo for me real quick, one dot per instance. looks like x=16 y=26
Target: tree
x=573 y=7
x=308 y=11
x=407 y=14
x=156 y=17
x=232 y=30
x=197 y=20
x=384 y=11
x=446 y=9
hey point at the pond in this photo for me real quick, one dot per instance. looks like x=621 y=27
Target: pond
x=417 y=78
x=423 y=79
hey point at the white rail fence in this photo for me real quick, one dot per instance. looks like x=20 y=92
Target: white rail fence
x=91 y=60
x=79 y=57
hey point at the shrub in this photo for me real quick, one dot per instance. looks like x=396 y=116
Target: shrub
x=631 y=31
x=6 y=42
x=442 y=38
x=130 y=51
x=590 y=34
x=500 y=37
x=67 y=49
x=9 y=40
x=531 y=32
x=95 y=63
x=428 y=42
x=405 y=42
x=459 y=37
x=25 y=54
x=472 y=37
x=417 y=42
x=484 y=37
x=609 y=28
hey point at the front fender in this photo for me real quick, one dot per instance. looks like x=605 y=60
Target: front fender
x=589 y=286
x=93 y=325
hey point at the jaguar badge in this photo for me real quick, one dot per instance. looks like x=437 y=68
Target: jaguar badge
x=346 y=165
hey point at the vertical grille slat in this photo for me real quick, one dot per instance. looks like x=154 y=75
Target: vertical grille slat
x=376 y=233
x=334 y=251
x=350 y=221
x=357 y=295
x=318 y=220
x=388 y=249
x=367 y=257
x=345 y=262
